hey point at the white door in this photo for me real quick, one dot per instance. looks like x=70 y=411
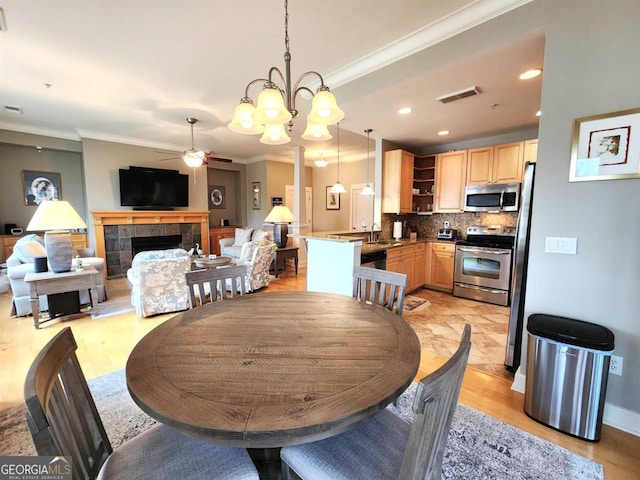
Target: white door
x=289 y=200
x=361 y=209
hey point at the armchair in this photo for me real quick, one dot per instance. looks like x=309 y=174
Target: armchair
x=21 y=262
x=257 y=256
x=158 y=281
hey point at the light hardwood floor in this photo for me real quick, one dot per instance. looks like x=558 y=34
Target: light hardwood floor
x=104 y=346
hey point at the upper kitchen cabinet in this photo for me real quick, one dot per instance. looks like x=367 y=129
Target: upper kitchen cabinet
x=496 y=164
x=424 y=177
x=397 y=182
x=531 y=150
x=451 y=176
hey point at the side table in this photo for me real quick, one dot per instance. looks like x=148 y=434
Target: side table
x=282 y=255
x=46 y=283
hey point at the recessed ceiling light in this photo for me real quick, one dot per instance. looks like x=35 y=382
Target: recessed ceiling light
x=443 y=132
x=529 y=74
x=405 y=110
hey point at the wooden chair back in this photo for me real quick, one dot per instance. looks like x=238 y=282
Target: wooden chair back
x=381 y=287
x=434 y=405
x=61 y=414
x=216 y=283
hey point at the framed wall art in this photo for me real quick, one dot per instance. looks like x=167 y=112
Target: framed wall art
x=39 y=186
x=256 y=191
x=606 y=147
x=333 y=200
x=216 y=197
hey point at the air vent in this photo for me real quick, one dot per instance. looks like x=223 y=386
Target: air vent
x=452 y=97
x=10 y=109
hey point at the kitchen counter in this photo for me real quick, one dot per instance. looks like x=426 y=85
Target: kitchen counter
x=389 y=244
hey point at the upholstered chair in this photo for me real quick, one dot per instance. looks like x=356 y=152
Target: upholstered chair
x=21 y=262
x=257 y=256
x=158 y=281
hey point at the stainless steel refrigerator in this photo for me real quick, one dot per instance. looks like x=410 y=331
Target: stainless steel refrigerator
x=519 y=271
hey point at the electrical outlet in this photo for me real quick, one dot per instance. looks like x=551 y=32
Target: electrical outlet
x=446 y=224
x=615 y=365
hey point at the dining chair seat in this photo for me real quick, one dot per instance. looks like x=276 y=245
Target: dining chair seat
x=381 y=287
x=386 y=446
x=63 y=421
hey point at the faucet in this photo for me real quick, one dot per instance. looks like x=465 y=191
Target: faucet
x=372 y=236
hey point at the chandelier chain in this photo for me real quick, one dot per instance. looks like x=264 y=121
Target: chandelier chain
x=286 y=25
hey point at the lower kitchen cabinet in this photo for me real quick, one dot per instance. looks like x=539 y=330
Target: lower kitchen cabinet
x=410 y=261
x=442 y=258
x=418 y=265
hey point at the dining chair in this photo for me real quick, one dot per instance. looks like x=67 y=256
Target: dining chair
x=381 y=287
x=216 y=283
x=63 y=421
x=386 y=446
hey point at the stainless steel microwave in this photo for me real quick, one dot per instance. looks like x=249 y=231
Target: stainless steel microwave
x=496 y=197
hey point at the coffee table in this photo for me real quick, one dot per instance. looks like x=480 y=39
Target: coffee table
x=208 y=263
x=46 y=283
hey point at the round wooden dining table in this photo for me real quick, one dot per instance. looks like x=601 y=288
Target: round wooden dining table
x=272 y=369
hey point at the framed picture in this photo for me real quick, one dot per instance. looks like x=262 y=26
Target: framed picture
x=216 y=197
x=275 y=201
x=606 y=147
x=255 y=191
x=333 y=200
x=39 y=186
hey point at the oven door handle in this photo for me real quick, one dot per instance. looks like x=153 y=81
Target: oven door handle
x=484 y=250
x=484 y=289
x=501 y=199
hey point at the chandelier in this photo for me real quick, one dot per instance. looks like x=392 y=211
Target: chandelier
x=276 y=105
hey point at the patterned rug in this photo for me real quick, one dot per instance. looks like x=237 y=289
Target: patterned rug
x=415 y=304
x=479 y=446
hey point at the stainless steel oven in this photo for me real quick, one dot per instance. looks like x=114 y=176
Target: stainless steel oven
x=483 y=264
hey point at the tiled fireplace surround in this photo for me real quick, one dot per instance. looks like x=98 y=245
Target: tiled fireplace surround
x=115 y=229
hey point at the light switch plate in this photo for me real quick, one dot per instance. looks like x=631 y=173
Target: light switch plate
x=562 y=245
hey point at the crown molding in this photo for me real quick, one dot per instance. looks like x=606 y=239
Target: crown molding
x=47 y=132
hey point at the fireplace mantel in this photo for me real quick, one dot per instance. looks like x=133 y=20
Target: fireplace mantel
x=143 y=217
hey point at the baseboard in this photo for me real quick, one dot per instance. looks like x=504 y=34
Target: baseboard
x=613 y=415
x=621 y=418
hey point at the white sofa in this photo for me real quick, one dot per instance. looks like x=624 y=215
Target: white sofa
x=232 y=247
x=21 y=262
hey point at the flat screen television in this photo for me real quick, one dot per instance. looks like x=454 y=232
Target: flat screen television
x=153 y=188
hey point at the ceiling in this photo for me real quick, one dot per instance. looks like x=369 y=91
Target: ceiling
x=132 y=71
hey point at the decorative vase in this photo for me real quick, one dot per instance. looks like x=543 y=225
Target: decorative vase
x=59 y=251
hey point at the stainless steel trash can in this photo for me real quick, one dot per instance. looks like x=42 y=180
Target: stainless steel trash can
x=567 y=371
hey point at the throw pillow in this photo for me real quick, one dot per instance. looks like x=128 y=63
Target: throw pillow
x=246 y=254
x=243 y=235
x=28 y=251
x=260 y=234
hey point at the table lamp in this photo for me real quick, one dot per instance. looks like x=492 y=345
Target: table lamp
x=55 y=218
x=280 y=216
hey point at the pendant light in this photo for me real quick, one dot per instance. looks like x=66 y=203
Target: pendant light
x=337 y=187
x=367 y=190
x=321 y=162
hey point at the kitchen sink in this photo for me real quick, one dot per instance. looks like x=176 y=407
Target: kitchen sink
x=385 y=243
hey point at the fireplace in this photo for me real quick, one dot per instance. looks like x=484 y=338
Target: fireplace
x=162 y=242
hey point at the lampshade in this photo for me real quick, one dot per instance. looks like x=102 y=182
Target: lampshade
x=193 y=158
x=243 y=120
x=324 y=109
x=280 y=214
x=271 y=109
x=274 y=135
x=367 y=190
x=338 y=188
x=316 y=132
x=54 y=217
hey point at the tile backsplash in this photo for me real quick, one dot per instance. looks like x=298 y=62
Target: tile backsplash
x=428 y=225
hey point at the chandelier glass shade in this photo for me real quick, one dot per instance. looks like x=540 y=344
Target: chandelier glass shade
x=276 y=104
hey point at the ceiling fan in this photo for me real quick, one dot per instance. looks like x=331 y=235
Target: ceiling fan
x=192 y=157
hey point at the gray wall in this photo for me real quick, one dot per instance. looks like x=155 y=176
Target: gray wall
x=591 y=67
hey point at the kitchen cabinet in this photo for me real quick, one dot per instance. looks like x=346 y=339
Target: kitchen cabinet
x=531 y=150
x=442 y=258
x=418 y=265
x=427 y=263
x=451 y=177
x=409 y=260
x=397 y=182
x=495 y=164
x=424 y=176
x=216 y=234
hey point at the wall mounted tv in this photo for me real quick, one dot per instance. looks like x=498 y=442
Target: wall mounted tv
x=153 y=188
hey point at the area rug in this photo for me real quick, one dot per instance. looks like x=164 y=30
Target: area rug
x=479 y=447
x=415 y=304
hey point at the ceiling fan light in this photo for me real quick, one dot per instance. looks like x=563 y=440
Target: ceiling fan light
x=193 y=158
x=316 y=132
x=243 y=119
x=324 y=108
x=271 y=108
x=274 y=135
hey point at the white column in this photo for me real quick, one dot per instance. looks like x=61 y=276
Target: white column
x=300 y=227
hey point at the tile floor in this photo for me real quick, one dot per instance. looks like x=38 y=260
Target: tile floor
x=439 y=323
